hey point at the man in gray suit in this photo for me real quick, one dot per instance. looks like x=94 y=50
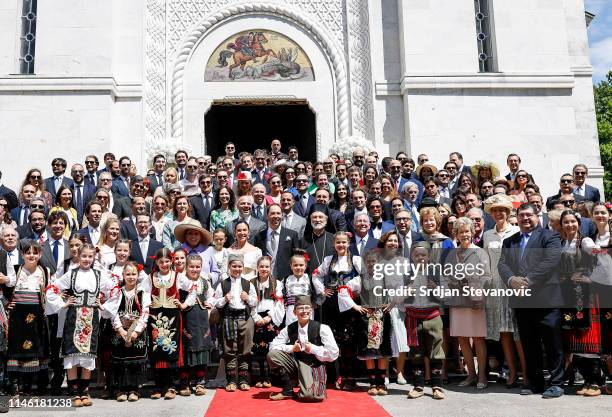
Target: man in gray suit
x=291 y=220
x=245 y=206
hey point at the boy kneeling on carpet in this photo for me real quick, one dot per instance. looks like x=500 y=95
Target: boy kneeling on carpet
x=301 y=349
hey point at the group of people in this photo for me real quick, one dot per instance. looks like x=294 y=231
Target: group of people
x=273 y=265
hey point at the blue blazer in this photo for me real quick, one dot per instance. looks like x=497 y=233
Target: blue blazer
x=591 y=193
x=119 y=187
x=386 y=227
x=297 y=207
x=88 y=193
x=539 y=264
x=372 y=243
x=138 y=257
x=16 y=215
x=50 y=184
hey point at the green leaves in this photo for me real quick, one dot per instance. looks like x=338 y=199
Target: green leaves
x=603 y=109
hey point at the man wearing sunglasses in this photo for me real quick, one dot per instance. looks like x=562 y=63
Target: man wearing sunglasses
x=260 y=173
x=36 y=228
x=52 y=184
x=121 y=184
x=566 y=187
x=21 y=213
x=583 y=190
x=82 y=190
x=157 y=179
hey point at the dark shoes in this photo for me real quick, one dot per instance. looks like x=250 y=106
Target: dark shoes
x=553 y=392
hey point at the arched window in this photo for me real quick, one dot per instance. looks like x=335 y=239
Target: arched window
x=28 y=37
x=487 y=61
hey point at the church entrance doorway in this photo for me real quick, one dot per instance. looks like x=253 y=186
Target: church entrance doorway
x=253 y=124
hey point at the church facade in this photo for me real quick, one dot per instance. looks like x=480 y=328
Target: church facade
x=483 y=77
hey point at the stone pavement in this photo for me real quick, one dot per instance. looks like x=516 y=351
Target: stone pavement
x=464 y=402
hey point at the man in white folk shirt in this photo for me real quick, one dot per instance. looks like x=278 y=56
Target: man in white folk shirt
x=234 y=298
x=301 y=350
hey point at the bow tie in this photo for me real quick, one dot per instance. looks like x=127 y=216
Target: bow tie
x=378 y=226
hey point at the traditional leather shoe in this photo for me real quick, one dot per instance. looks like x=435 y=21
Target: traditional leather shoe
x=373 y=390
x=156 y=395
x=592 y=391
x=267 y=384
x=416 y=392
x=200 y=390
x=185 y=392
x=133 y=396
x=382 y=390
x=582 y=390
x=121 y=397
x=231 y=387
x=258 y=384
x=280 y=396
x=76 y=402
x=438 y=393
x=170 y=394
x=86 y=400
x=244 y=387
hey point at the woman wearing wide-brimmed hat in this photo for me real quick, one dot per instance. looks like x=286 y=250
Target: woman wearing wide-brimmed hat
x=484 y=171
x=501 y=323
x=426 y=170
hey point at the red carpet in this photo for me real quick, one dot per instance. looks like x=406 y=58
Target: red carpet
x=256 y=402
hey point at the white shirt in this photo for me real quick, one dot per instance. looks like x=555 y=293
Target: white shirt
x=579 y=190
x=327 y=353
x=287 y=219
x=235 y=290
x=143 y=242
x=13 y=256
x=358 y=241
x=94 y=233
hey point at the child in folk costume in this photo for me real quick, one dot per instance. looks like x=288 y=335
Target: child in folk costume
x=374 y=342
x=301 y=350
x=235 y=296
x=268 y=316
x=28 y=335
x=166 y=323
x=196 y=331
x=180 y=261
x=85 y=287
x=334 y=273
x=298 y=284
x=129 y=342
x=424 y=326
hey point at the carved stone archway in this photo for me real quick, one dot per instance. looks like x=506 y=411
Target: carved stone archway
x=331 y=50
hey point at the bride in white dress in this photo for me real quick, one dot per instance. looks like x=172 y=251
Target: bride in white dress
x=242 y=246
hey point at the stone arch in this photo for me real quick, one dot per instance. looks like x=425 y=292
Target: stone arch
x=333 y=53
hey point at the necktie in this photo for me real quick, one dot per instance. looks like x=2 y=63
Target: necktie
x=159 y=179
x=90 y=179
x=181 y=173
x=10 y=258
x=304 y=201
x=273 y=243
x=58 y=183
x=259 y=213
x=580 y=192
x=207 y=202
x=286 y=221
x=56 y=251
x=79 y=198
x=26 y=213
x=524 y=240
x=361 y=246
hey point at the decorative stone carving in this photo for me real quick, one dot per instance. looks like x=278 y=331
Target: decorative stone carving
x=360 y=68
x=321 y=35
x=154 y=97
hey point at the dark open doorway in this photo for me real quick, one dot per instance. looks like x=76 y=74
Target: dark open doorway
x=253 y=124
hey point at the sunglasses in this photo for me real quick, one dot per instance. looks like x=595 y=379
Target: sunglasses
x=568 y=202
x=90 y=162
x=208 y=182
x=566 y=181
x=105 y=180
x=138 y=187
x=37 y=206
x=192 y=167
x=3 y=205
x=35 y=177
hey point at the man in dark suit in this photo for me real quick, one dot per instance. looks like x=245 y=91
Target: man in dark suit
x=453 y=182
x=121 y=184
x=477 y=216
x=587 y=226
x=582 y=189
x=362 y=240
x=157 y=179
x=128 y=225
x=475 y=201
x=529 y=261
x=290 y=219
x=91 y=166
x=375 y=210
x=21 y=213
x=358 y=197
x=9 y=253
x=52 y=184
x=303 y=199
x=82 y=191
x=245 y=205
x=55 y=250
x=514 y=164
x=203 y=202
x=91 y=233
x=336 y=222
x=403 y=225
x=538 y=203
x=566 y=186
x=260 y=209
x=457 y=158
x=277 y=242
x=118 y=205
x=8 y=194
x=35 y=228
x=144 y=246
x=261 y=173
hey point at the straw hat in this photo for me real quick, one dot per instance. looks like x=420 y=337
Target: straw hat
x=434 y=170
x=504 y=181
x=484 y=164
x=498 y=200
x=181 y=231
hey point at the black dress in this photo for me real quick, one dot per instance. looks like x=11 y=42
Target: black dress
x=196 y=332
